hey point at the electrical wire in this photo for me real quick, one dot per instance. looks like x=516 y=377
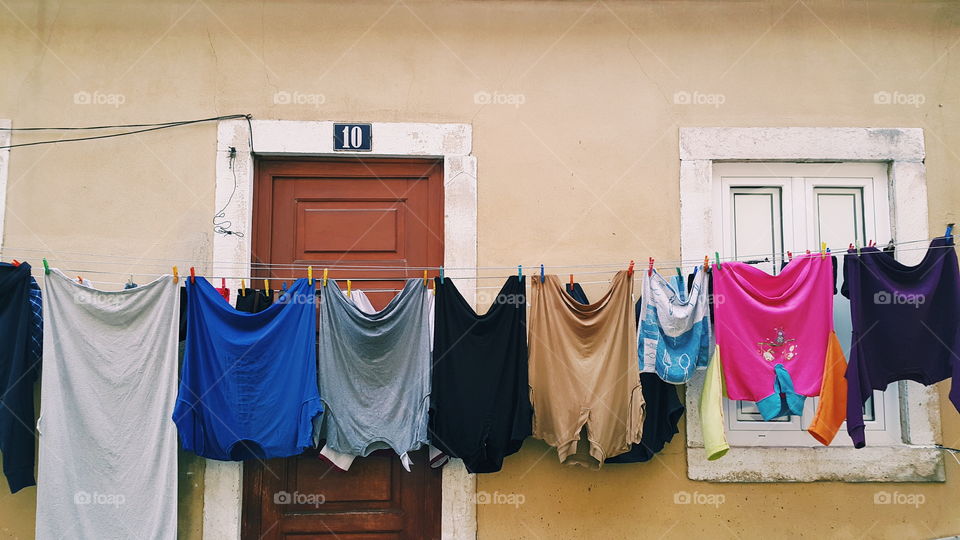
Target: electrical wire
x=145 y=128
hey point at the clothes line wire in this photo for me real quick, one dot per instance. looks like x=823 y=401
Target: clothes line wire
x=527 y=269
x=143 y=128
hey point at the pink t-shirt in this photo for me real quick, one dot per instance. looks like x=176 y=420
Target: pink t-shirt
x=764 y=320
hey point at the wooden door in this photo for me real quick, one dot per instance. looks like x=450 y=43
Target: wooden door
x=365 y=213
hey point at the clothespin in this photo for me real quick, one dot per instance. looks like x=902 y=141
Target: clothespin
x=79 y=279
x=789 y=256
x=871 y=243
x=310 y=275
x=283 y=286
x=850 y=247
x=324 y=277
x=441 y=275
x=46 y=268
x=223 y=283
x=949 y=232
x=542 y=277
x=243 y=286
x=808 y=252
x=425 y=278
x=16 y=262
x=266 y=286
x=823 y=249
x=716 y=258
x=858 y=247
x=679 y=273
x=650 y=266
x=130 y=283
x=706 y=263
x=520 y=272
x=349 y=285
x=630 y=269
x=571 y=282
x=193 y=275
x=176 y=273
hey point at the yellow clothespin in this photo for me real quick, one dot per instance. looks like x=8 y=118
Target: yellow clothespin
x=424 y=278
x=348 y=286
x=823 y=250
x=310 y=275
x=176 y=274
x=243 y=285
x=266 y=285
x=324 y=277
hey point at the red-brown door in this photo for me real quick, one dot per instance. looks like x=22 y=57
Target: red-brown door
x=363 y=213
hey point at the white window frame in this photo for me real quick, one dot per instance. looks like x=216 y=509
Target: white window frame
x=5 y=138
x=795 y=184
x=902 y=150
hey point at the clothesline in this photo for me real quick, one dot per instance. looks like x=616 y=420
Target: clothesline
x=527 y=269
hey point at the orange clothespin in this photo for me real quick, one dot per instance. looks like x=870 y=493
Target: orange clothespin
x=310 y=275
x=650 y=267
x=324 y=277
x=243 y=285
x=80 y=279
x=176 y=274
x=193 y=276
x=571 y=282
x=425 y=280
x=348 y=286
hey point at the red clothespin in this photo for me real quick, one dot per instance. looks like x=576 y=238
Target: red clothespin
x=193 y=275
x=223 y=283
x=850 y=247
x=789 y=256
x=630 y=269
x=16 y=262
x=871 y=243
x=808 y=252
x=650 y=267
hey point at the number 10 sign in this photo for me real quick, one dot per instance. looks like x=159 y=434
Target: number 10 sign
x=352 y=137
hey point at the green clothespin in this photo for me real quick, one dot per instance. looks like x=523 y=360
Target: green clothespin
x=46 y=267
x=679 y=273
x=716 y=256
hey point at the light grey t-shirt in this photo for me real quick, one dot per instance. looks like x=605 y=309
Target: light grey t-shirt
x=374 y=373
x=108 y=445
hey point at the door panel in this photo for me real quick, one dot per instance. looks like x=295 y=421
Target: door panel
x=365 y=214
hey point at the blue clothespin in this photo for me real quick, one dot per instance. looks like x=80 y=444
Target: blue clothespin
x=283 y=286
x=441 y=274
x=520 y=272
x=716 y=256
x=949 y=232
x=542 y=278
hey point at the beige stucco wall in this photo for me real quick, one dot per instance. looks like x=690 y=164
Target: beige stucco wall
x=583 y=171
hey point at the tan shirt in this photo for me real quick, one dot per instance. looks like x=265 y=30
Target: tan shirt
x=584 y=371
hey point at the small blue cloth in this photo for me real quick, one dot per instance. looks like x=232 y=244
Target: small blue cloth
x=249 y=382
x=784 y=400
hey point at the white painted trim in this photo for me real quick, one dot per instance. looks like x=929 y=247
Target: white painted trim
x=223 y=482
x=903 y=151
x=5 y=137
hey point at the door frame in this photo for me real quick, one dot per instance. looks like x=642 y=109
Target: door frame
x=223 y=481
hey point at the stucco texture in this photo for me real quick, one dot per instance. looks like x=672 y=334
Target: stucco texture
x=575 y=117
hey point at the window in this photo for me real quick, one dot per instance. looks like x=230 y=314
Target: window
x=759 y=192
x=768 y=209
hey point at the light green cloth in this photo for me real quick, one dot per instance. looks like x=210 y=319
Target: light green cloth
x=711 y=410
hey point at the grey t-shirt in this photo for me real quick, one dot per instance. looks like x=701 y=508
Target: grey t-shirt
x=374 y=373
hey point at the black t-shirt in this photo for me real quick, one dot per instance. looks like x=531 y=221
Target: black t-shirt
x=480 y=401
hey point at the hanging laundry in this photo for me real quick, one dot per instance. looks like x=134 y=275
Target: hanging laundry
x=19 y=367
x=108 y=450
x=248 y=388
x=906 y=324
x=674 y=335
x=576 y=291
x=480 y=409
x=253 y=300
x=775 y=335
x=374 y=375
x=662 y=412
x=360 y=299
x=584 y=372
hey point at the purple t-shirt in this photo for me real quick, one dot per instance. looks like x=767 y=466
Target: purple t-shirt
x=906 y=324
